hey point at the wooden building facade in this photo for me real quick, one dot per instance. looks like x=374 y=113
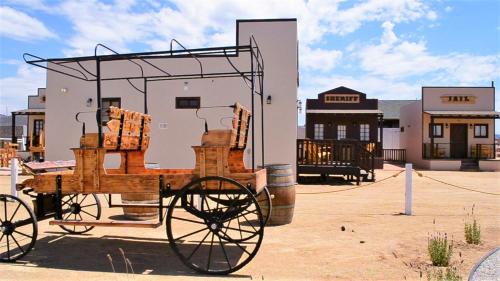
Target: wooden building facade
x=345 y=114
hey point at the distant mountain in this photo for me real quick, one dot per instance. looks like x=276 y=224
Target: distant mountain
x=6 y=120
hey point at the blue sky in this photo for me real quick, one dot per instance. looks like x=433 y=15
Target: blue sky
x=385 y=48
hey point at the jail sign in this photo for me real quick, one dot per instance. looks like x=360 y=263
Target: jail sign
x=458 y=99
x=332 y=98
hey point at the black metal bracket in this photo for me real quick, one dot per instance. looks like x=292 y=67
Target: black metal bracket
x=58 y=211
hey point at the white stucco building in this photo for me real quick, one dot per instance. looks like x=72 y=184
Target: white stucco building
x=175 y=130
x=451 y=128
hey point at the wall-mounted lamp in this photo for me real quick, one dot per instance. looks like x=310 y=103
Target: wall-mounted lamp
x=446 y=125
x=299 y=106
x=269 y=99
x=89 y=102
x=64 y=90
x=470 y=126
x=186 y=86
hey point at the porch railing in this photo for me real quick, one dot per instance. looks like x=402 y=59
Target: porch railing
x=483 y=151
x=395 y=155
x=334 y=153
x=448 y=151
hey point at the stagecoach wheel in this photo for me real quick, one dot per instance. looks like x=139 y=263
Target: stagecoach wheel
x=266 y=204
x=211 y=237
x=18 y=228
x=78 y=207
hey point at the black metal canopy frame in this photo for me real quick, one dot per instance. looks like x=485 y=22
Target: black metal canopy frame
x=252 y=76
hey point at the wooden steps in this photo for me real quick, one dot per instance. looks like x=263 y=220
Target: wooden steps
x=107 y=223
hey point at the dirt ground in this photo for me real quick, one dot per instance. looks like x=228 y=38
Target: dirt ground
x=378 y=242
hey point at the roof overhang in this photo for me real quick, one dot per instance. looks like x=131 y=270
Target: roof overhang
x=345 y=111
x=30 y=111
x=463 y=114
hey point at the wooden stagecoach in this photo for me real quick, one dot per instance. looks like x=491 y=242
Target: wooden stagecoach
x=214 y=220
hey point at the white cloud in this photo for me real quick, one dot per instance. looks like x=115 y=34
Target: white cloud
x=20 y=26
x=319 y=59
x=14 y=90
x=398 y=59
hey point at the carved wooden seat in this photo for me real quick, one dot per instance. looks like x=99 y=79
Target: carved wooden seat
x=129 y=135
x=128 y=130
x=221 y=151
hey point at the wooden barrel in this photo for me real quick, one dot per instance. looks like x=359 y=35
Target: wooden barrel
x=281 y=185
x=138 y=213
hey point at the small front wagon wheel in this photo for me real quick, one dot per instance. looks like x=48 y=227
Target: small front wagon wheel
x=80 y=207
x=18 y=228
x=219 y=227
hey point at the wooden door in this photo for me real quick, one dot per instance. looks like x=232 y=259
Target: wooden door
x=458 y=140
x=37 y=131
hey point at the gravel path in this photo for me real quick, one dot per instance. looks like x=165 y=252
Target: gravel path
x=488 y=268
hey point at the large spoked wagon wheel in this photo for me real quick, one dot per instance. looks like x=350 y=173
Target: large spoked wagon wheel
x=18 y=228
x=80 y=207
x=213 y=237
x=266 y=204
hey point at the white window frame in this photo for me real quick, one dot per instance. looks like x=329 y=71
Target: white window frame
x=364 y=132
x=319 y=131
x=343 y=129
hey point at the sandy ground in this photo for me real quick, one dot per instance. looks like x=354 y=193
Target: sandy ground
x=378 y=242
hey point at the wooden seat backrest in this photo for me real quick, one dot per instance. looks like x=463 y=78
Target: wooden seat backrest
x=241 y=124
x=128 y=130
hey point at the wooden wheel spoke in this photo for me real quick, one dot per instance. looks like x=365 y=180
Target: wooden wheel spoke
x=210 y=252
x=183 y=219
x=95 y=204
x=5 y=207
x=249 y=223
x=18 y=232
x=69 y=215
x=239 y=246
x=2 y=237
x=89 y=214
x=241 y=230
x=8 y=247
x=83 y=199
x=224 y=251
x=230 y=207
x=239 y=227
x=240 y=215
x=198 y=246
x=70 y=199
x=19 y=246
x=18 y=205
x=189 y=234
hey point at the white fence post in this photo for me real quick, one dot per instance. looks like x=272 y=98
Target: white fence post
x=13 y=176
x=408 y=189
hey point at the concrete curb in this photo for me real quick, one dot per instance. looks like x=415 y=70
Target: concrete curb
x=474 y=268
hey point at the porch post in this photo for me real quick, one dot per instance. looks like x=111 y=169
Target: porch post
x=431 y=132
x=381 y=130
x=13 y=128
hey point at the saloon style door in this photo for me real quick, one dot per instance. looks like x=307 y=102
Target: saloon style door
x=458 y=140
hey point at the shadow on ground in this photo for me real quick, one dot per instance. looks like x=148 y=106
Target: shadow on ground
x=147 y=255
x=328 y=180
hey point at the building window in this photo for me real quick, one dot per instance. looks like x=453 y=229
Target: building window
x=341 y=132
x=364 y=132
x=480 y=130
x=187 y=102
x=106 y=103
x=319 y=131
x=437 y=131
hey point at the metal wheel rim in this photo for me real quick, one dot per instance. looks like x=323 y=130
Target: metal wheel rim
x=69 y=200
x=10 y=238
x=189 y=259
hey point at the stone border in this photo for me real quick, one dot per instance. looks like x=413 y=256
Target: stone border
x=476 y=266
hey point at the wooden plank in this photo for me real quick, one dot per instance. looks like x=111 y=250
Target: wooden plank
x=107 y=223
